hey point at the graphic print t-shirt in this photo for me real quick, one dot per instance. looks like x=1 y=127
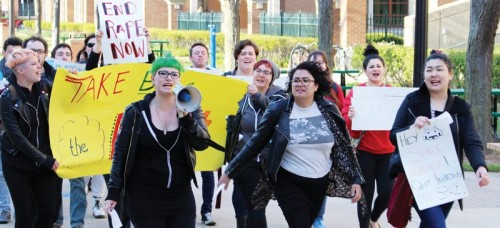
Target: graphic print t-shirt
x=308 y=151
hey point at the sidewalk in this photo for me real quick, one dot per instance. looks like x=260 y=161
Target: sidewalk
x=481 y=209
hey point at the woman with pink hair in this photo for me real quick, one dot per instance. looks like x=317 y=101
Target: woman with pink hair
x=28 y=164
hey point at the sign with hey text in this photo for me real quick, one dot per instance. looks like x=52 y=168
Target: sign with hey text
x=431 y=163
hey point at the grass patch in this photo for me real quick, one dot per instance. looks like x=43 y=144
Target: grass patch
x=491 y=167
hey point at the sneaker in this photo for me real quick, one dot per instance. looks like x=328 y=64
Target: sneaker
x=207 y=219
x=98 y=211
x=318 y=223
x=5 y=217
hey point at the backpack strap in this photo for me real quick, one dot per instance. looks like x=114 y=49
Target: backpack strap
x=449 y=103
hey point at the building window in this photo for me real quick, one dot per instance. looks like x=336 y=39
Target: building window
x=202 y=5
x=26 y=8
x=392 y=11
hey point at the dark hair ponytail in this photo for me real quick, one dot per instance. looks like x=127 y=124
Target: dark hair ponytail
x=370 y=53
x=438 y=54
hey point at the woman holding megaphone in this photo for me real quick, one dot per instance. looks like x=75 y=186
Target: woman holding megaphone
x=154 y=154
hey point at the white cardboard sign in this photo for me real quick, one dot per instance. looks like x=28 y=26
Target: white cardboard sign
x=122 y=24
x=431 y=163
x=376 y=107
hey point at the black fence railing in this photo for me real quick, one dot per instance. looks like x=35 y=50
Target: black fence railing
x=198 y=21
x=385 y=28
x=289 y=24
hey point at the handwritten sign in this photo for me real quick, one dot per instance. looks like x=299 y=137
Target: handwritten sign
x=86 y=110
x=122 y=22
x=376 y=107
x=66 y=65
x=431 y=163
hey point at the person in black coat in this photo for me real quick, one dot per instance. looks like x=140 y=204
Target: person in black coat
x=309 y=151
x=28 y=163
x=427 y=102
x=154 y=156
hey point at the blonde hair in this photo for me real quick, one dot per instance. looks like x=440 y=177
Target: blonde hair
x=20 y=56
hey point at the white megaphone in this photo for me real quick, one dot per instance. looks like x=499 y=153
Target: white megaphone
x=188 y=98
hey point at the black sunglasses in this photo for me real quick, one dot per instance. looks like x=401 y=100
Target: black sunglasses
x=90 y=45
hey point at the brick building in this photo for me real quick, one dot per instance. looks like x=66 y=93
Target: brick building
x=350 y=16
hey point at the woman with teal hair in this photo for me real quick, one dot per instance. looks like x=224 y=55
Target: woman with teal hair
x=154 y=154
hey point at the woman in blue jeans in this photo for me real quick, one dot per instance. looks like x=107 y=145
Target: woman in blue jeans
x=429 y=101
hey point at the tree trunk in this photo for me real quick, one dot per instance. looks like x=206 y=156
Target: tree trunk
x=231 y=9
x=325 y=29
x=38 y=17
x=484 y=17
x=56 y=22
x=12 y=25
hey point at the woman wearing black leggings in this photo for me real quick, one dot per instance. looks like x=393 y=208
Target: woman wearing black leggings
x=28 y=165
x=375 y=148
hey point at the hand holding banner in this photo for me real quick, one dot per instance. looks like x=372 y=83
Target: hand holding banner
x=86 y=110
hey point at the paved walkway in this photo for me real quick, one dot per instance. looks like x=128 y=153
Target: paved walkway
x=482 y=209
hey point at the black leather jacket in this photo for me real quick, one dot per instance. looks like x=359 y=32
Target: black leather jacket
x=275 y=126
x=16 y=118
x=193 y=128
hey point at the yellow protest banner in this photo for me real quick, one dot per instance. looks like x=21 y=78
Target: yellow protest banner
x=86 y=109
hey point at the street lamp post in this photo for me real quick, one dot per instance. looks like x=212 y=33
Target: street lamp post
x=420 y=41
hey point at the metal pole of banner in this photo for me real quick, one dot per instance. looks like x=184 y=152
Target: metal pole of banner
x=420 y=51
x=213 y=46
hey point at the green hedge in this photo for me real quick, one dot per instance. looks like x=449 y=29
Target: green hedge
x=65 y=27
x=276 y=48
x=372 y=38
x=399 y=59
x=398 y=62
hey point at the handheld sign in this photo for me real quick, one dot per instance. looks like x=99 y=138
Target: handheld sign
x=86 y=110
x=431 y=164
x=376 y=107
x=66 y=65
x=122 y=22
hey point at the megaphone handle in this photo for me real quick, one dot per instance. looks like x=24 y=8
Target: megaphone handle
x=181 y=113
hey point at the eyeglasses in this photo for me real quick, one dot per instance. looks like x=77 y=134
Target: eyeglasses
x=319 y=63
x=38 y=51
x=165 y=74
x=259 y=71
x=90 y=45
x=304 y=81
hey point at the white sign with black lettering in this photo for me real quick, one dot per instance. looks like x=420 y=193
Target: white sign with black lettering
x=431 y=163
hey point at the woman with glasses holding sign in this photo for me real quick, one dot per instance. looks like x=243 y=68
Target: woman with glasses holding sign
x=309 y=152
x=154 y=155
x=432 y=99
x=251 y=108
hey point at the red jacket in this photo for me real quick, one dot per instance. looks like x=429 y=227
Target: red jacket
x=376 y=142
